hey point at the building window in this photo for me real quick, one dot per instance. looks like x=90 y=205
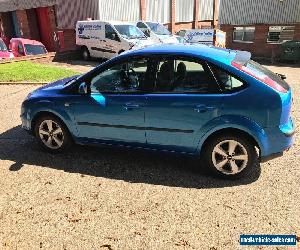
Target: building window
x=243 y=34
x=280 y=34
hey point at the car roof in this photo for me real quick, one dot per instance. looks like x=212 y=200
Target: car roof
x=202 y=51
x=27 y=41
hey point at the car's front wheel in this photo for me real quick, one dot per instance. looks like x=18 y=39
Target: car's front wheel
x=85 y=53
x=229 y=156
x=52 y=134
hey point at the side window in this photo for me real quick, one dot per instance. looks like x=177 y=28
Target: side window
x=227 y=81
x=110 y=33
x=20 y=49
x=127 y=77
x=185 y=76
x=141 y=25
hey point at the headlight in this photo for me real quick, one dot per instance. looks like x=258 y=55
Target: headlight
x=11 y=55
x=28 y=96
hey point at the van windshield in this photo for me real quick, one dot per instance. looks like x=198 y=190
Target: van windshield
x=2 y=46
x=34 y=49
x=158 y=28
x=129 y=31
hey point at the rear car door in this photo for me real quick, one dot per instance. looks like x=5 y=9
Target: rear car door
x=185 y=98
x=114 y=108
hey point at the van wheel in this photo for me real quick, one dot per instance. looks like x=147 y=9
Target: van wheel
x=85 y=53
x=229 y=156
x=52 y=134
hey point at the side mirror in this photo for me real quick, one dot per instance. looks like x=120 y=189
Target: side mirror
x=83 y=89
x=115 y=37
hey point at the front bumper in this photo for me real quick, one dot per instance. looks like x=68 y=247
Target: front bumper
x=25 y=118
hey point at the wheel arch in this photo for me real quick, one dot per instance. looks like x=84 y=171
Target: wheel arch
x=40 y=114
x=235 y=131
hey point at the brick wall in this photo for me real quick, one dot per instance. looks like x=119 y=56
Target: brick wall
x=69 y=36
x=259 y=47
x=33 y=24
x=23 y=23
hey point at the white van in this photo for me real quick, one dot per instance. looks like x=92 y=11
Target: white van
x=107 y=39
x=157 y=32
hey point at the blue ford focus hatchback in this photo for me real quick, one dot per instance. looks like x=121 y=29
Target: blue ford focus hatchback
x=205 y=101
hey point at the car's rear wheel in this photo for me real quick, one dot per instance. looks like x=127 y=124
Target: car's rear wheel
x=85 y=53
x=52 y=134
x=229 y=156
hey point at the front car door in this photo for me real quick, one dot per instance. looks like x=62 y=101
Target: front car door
x=114 y=108
x=112 y=44
x=185 y=98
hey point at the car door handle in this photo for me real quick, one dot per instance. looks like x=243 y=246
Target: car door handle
x=130 y=106
x=202 y=108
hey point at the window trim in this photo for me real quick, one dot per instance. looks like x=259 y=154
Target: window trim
x=232 y=91
x=281 y=30
x=107 y=67
x=244 y=29
x=160 y=57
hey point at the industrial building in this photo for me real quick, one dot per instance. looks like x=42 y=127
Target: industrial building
x=53 y=21
x=259 y=26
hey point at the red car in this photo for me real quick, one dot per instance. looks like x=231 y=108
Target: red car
x=25 y=47
x=4 y=52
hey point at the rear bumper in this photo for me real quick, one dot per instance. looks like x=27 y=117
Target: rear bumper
x=270 y=157
x=278 y=140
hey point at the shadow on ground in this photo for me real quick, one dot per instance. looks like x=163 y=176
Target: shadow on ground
x=135 y=166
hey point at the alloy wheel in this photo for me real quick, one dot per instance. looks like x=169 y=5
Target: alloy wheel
x=51 y=134
x=230 y=157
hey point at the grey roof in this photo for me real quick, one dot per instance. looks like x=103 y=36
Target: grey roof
x=241 y=12
x=11 y=5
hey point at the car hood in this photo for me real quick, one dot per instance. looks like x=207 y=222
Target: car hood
x=54 y=86
x=168 y=39
x=139 y=43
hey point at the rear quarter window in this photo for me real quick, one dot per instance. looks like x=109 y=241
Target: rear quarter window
x=226 y=80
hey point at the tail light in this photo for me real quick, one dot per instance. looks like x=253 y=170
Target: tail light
x=260 y=76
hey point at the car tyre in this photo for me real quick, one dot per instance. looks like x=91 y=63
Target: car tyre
x=85 y=54
x=52 y=134
x=229 y=156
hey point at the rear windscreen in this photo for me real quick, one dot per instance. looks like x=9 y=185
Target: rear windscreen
x=35 y=49
x=261 y=70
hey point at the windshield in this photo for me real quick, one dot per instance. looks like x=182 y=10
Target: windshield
x=158 y=28
x=258 y=69
x=2 y=46
x=129 y=31
x=34 y=49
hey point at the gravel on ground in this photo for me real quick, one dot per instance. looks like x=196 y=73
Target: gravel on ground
x=104 y=198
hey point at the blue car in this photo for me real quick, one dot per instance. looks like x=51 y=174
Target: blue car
x=192 y=99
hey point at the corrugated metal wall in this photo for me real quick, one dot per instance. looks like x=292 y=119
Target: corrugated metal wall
x=123 y=10
x=184 y=10
x=11 y=5
x=206 y=11
x=68 y=12
x=158 y=11
x=258 y=11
